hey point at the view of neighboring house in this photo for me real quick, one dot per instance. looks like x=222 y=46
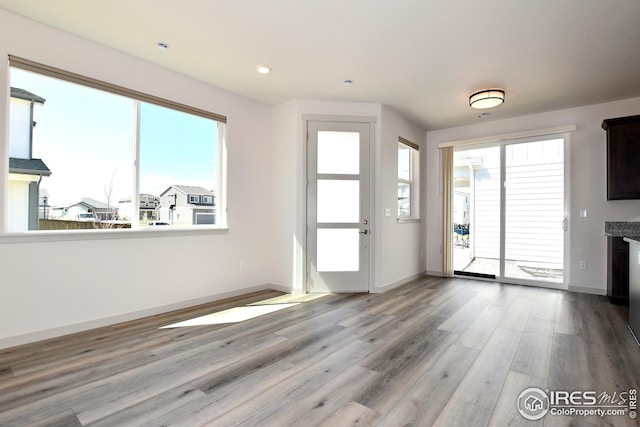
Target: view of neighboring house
x=25 y=172
x=148 y=208
x=86 y=209
x=187 y=205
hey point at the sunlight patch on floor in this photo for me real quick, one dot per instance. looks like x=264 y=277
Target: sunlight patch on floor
x=288 y=298
x=232 y=315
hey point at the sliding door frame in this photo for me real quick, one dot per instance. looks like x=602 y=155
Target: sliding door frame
x=502 y=144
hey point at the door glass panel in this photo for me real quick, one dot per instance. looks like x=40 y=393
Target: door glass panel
x=338 y=201
x=476 y=211
x=338 y=152
x=534 y=210
x=338 y=249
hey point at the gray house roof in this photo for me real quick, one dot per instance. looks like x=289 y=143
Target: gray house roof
x=16 y=92
x=190 y=189
x=92 y=203
x=28 y=167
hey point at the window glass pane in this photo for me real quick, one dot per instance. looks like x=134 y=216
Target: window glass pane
x=338 y=152
x=404 y=199
x=75 y=169
x=178 y=164
x=338 y=201
x=338 y=249
x=77 y=143
x=407 y=180
x=404 y=162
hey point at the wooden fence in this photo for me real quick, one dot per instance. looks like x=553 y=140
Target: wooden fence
x=62 y=224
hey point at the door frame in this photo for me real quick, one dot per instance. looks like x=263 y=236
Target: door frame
x=371 y=122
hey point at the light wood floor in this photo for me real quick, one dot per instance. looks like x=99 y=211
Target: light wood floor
x=448 y=352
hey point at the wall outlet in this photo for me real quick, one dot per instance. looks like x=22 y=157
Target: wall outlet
x=583 y=264
x=583 y=213
x=387 y=211
x=243 y=265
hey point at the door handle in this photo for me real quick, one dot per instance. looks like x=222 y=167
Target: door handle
x=364 y=232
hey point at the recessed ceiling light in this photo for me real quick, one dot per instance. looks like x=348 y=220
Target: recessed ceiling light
x=263 y=69
x=162 y=46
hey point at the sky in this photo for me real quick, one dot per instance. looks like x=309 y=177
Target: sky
x=87 y=139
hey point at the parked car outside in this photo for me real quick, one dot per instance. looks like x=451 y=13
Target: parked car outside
x=86 y=217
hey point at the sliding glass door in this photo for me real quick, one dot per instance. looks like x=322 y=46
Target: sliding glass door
x=509 y=211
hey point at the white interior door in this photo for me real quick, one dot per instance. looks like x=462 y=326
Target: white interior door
x=338 y=211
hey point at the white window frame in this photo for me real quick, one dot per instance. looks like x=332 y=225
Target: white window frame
x=207 y=200
x=413 y=181
x=64 y=235
x=194 y=199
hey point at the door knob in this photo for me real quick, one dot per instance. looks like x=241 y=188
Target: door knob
x=364 y=232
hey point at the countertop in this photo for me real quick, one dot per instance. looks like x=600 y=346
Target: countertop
x=629 y=229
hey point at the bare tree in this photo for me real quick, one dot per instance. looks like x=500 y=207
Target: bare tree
x=108 y=194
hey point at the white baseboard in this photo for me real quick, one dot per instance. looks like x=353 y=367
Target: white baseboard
x=586 y=290
x=397 y=283
x=435 y=273
x=280 y=288
x=112 y=320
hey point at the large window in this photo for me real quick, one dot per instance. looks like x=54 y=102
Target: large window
x=408 y=178
x=85 y=154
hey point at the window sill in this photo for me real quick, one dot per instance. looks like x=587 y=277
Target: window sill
x=65 y=236
x=408 y=220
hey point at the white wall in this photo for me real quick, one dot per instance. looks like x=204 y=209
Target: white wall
x=402 y=246
x=587 y=175
x=47 y=288
x=18 y=190
x=20 y=129
x=287 y=177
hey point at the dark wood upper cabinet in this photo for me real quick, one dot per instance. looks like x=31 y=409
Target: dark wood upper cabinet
x=623 y=157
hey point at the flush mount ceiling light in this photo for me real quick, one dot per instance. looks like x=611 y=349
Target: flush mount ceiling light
x=487 y=98
x=263 y=69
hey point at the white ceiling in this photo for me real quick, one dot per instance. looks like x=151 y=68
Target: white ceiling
x=421 y=57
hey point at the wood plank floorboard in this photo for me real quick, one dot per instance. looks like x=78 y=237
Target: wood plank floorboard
x=435 y=351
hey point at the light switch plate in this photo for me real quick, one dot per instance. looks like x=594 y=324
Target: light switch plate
x=387 y=211
x=583 y=213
